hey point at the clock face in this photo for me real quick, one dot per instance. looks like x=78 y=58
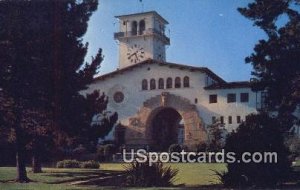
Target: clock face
x=135 y=53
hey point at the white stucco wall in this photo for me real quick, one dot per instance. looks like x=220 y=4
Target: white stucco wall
x=130 y=84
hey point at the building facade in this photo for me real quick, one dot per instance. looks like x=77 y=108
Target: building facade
x=162 y=103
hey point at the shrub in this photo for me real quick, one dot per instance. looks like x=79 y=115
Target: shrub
x=175 y=148
x=202 y=147
x=68 y=164
x=100 y=153
x=293 y=143
x=259 y=133
x=144 y=175
x=109 y=150
x=90 y=164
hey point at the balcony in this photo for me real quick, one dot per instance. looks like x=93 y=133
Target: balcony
x=148 y=32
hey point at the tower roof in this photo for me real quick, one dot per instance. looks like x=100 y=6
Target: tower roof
x=143 y=13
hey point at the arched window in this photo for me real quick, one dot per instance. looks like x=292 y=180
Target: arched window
x=177 y=82
x=134 y=28
x=186 y=81
x=144 y=84
x=169 y=82
x=161 y=84
x=142 y=27
x=152 y=84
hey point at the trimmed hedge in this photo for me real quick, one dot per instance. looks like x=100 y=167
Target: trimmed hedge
x=68 y=164
x=90 y=164
x=77 y=164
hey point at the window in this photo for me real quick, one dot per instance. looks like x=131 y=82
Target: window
x=152 y=84
x=142 y=27
x=186 y=81
x=169 y=82
x=263 y=100
x=118 y=97
x=144 y=84
x=231 y=98
x=213 y=119
x=196 y=100
x=213 y=98
x=222 y=120
x=177 y=82
x=229 y=120
x=134 y=28
x=161 y=84
x=244 y=97
x=238 y=119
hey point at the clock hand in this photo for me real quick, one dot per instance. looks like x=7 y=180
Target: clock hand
x=131 y=55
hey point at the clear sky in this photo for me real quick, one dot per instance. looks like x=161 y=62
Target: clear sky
x=204 y=33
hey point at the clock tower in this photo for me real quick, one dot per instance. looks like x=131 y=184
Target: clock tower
x=141 y=36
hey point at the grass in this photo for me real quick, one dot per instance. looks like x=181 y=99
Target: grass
x=191 y=174
x=59 y=179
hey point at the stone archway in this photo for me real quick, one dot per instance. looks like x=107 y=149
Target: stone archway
x=138 y=132
x=164 y=128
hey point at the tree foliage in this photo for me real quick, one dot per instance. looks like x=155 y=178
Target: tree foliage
x=43 y=74
x=276 y=59
x=259 y=133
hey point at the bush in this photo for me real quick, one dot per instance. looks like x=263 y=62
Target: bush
x=90 y=164
x=68 y=164
x=175 y=148
x=144 y=175
x=100 y=153
x=259 y=133
x=105 y=152
x=109 y=150
x=293 y=143
x=202 y=147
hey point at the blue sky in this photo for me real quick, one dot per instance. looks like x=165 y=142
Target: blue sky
x=204 y=33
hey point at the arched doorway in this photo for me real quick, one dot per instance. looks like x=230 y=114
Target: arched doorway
x=141 y=133
x=166 y=129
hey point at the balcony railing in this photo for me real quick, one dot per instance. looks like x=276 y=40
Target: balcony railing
x=150 y=31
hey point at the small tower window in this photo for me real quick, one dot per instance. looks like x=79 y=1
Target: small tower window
x=177 y=82
x=144 y=84
x=152 y=84
x=134 y=28
x=161 y=84
x=142 y=27
x=169 y=82
x=186 y=81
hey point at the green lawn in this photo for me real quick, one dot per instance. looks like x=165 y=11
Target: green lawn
x=189 y=174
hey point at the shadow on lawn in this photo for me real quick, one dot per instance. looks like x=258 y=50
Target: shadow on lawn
x=79 y=176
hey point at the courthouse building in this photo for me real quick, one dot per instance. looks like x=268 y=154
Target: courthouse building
x=161 y=103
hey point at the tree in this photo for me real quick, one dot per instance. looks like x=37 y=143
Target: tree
x=217 y=135
x=276 y=59
x=259 y=133
x=43 y=74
